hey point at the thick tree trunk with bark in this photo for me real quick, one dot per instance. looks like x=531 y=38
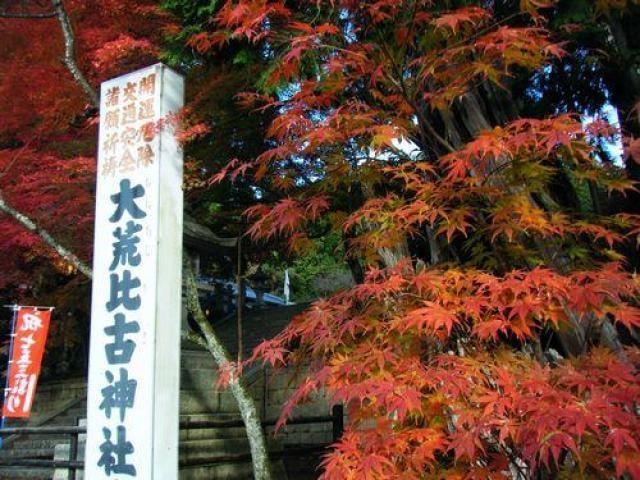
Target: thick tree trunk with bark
x=630 y=117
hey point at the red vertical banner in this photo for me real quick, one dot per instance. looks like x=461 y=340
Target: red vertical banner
x=29 y=338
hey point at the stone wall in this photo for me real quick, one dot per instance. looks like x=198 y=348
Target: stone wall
x=271 y=389
x=200 y=395
x=281 y=384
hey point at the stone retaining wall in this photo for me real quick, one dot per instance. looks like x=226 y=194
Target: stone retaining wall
x=200 y=395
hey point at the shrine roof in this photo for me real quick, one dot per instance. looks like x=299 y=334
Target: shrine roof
x=200 y=237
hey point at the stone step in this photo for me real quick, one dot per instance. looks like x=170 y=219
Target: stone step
x=70 y=417
x=196 y=400
x=45 y=444
x=196 y=453
x=199 y=378
x=212 y=401
x=208 y=416
x=197 y=359
x=206 y=379
x=199 y=449
x=221 y=471
x=35 y=442
x=230 y=471
x=27 y=452
x=67 y=417
x=15 y=473
x=210 y=433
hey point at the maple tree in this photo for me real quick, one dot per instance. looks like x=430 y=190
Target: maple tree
x=48 y=128
x=479 y=269
x=394 y=122
x=600 y=70
x=47 y=158
x=56 y=54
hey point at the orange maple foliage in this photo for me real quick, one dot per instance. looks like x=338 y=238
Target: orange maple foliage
x=443 y=360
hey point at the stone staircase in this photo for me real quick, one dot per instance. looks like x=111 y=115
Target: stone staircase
x=64 y=403
x=197 y=446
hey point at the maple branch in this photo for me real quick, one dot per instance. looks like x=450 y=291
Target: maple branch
x=14 y=160
x=32 y=226
x=441 y=140
x=410 y=99
x=27 y=15
x=193 y=337
x=69 y=52
x=484 y=30
x=246 y=404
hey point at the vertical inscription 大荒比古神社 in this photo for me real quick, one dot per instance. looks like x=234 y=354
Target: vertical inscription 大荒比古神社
x=133 y=409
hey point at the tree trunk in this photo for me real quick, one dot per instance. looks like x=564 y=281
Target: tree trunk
x=625 y=95
x=630 y=119
x=470 y=113
x=390 y=256
x=248 y=410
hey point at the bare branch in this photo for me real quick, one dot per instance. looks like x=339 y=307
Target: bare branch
x=246 y=404
x=32 y=226
x=69 y=52
x=27 y=15
x=194 y=338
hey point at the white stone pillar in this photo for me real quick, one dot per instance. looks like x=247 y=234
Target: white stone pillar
x=134 y=364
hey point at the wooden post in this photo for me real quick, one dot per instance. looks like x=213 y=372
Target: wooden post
x=337 y=411
x=239 y=298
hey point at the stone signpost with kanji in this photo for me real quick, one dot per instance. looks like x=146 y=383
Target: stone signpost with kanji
x=134 y=365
